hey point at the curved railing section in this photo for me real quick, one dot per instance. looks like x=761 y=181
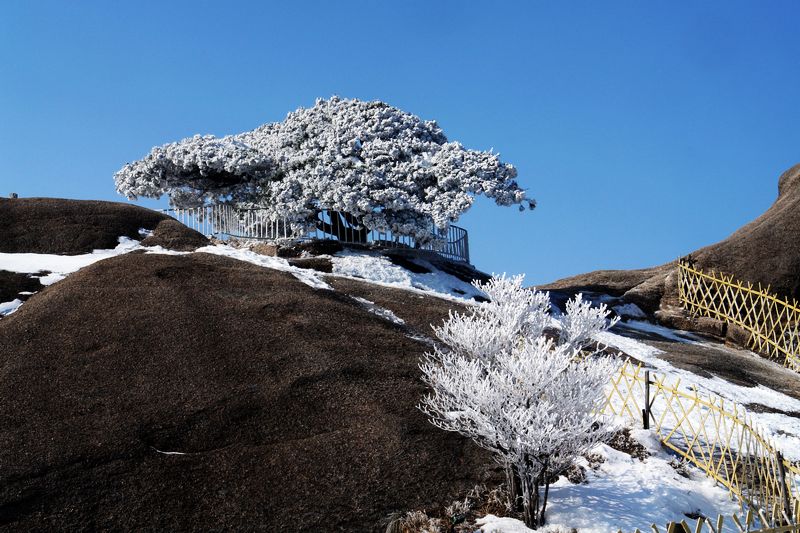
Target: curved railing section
x=224 y=221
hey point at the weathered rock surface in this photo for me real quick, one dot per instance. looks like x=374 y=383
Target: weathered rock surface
x=59 y=226
x=320 y=264
x=173 y=235
x=161 y=392
x=13 y=283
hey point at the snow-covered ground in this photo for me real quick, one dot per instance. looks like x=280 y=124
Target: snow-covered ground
x=784 y=430
x=379 y=270
x=309 y=277
x=622 y=492
x=366 y=266
x=59 y=266
x=6 y=308
x=382 y=312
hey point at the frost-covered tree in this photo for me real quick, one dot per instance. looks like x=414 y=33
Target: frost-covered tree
x=375 y=166
x=532 y=398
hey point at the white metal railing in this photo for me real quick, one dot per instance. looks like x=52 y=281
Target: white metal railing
x=225 y=221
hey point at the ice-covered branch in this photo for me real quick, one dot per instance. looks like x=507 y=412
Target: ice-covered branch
x=531 y=398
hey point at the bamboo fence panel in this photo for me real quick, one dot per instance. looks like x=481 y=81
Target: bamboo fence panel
x=718 y=437
x=773 y=322
x=722 y=524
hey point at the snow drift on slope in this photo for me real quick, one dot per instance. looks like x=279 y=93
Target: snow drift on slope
x=622 y=492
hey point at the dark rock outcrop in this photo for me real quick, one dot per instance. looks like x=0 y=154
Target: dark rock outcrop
x=158 y=392
x=59 y=226
x=173 y=235
x=644 y=287
x=13 y=283
x=320 y=264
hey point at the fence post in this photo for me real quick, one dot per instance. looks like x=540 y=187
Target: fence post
x=787 y=506
x=646 y=410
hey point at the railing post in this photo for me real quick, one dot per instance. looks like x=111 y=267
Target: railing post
x=222 y=220
x=787 y=506
x=646 y=410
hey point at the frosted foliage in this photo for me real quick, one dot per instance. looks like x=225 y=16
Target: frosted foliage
x=198 y=170
x=531 y=399
x=514 y=315
x=582 y=321
x=388 y=168
x=535 y=408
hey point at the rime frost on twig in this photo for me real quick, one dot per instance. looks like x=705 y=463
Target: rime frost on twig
x=387 y=168
x=533 y=401
x=582 y=321
x=513 y=315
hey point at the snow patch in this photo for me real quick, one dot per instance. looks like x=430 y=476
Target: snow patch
x=495 y=524
x=371 y=267
x=629 y=311
x=380 y=270
x=677 y=335
x=625 y=493
x=60 y=265
x=309 y=277
x=6 y=308
x=382 y=312
x=168 y=453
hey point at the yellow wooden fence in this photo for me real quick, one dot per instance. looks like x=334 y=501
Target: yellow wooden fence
x=722 y=524
x=773 y=322
x=718 y=437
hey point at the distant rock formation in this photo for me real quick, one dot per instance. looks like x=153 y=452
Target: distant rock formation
x=60 y=226
x=766 y=251
x=174 y=235
x=69 y=227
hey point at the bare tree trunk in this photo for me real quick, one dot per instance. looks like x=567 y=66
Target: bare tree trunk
x=544 y=501
x=530 y=496
x=514 y=487
x=534 y=505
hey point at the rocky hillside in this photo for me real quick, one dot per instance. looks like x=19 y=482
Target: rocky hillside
x=173 y=392
x=766 y=251
x=56 y=226
x=71 y=227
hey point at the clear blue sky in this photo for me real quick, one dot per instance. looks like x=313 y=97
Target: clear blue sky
x=643 y=129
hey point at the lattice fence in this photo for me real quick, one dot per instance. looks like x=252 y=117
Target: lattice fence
x=716 y=436
x=773 y=323
x=722 y=524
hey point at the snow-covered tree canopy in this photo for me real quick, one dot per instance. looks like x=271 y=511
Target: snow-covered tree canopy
x=500 y=380
x=383 y=168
